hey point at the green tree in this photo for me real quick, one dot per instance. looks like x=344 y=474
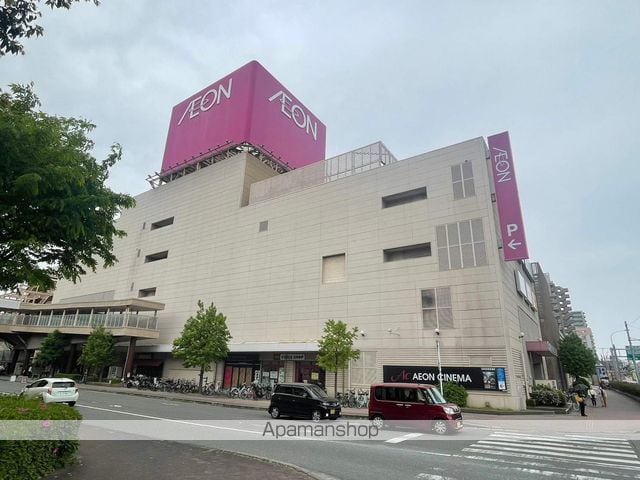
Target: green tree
x=52 y=351
x=336 y=348
x=56 y=214
x=204 y=339
x=99 y=351
x=17 y=21
x=575 y=357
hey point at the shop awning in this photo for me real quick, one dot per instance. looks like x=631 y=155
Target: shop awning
x=542 y=347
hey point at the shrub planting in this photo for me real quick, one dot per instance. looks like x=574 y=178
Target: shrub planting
x=455 y=393
x=546 y=396
x=631 y=388
x=32 y=459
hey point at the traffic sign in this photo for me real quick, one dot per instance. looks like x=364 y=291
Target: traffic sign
x=636 y=353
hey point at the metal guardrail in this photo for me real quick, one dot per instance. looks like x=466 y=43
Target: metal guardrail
x=109 y=320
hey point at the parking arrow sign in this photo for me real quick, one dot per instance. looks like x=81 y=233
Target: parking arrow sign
x=514 y=245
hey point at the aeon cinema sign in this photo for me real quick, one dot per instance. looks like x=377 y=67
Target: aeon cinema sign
x=248 y=105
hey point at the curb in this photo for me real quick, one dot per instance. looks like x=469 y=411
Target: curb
x=312 y=474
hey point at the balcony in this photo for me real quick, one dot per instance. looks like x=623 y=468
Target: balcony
x=125 y=323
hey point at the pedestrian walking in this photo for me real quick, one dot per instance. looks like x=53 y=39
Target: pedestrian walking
x=592 y=394
x=603 y=395
x=580 y=401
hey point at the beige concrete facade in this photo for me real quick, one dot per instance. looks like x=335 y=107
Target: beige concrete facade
x=270 y=286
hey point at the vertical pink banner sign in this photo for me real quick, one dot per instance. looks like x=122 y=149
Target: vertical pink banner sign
x=514 y=242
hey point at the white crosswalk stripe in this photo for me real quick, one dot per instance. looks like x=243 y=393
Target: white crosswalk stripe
x=557 y=451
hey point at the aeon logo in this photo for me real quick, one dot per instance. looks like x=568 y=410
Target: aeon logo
x=204 y=102
x=296 y=113
x=403 y=376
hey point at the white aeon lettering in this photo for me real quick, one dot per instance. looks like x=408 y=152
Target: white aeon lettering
x=204 y=102
x=502 y=165
x=424 y=376
x=296 y=113
x=446 y=377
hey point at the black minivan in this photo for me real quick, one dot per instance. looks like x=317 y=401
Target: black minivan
x=303 y=400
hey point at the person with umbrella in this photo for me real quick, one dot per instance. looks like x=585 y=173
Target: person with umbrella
x=581 y=390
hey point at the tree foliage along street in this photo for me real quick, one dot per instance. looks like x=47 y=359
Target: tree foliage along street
x=335 y=348
x=17 y=21
x=56 y=214
x=99 y=351
x=575 y=357
x=204 y=339
x=52 y=351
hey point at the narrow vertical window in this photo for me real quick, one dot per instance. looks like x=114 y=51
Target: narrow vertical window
x=333 y=268
x=462 y=179
x=437 y=311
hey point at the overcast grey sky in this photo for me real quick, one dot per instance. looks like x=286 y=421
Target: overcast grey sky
x=562 y=77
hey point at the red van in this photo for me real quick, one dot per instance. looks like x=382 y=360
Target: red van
x=411 y=402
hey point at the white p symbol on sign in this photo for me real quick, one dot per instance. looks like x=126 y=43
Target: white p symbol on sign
x=511 y=228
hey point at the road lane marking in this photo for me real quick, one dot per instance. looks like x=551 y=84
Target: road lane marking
x=534 y=440
x=404 y=438
x=564 y=438
x=429 y=476
x=545 y=448
x=570 y=461
x=183 y=422
x=568 y=468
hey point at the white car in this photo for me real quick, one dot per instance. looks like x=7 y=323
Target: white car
x=53 y=390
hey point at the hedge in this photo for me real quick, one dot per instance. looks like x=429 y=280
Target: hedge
x=455 y=393
x=31 y=460
x=543 y=395
x=631 y=388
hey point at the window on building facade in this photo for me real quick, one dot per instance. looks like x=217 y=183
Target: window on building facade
x=263 y=226
x=404 y=197
x=162 y=223
x=409 y=251
x=436 y=308
x=154 y=257
x=333 y=268
x=462 y=177
x=363 y=370
x=147 y=292
x=461 y=245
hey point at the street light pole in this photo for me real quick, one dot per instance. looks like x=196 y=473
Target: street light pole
x=524 y=365
x=439 y=361
x=633 y=357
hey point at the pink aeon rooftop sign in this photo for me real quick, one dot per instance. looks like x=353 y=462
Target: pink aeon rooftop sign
x=248 y=105
x=514 y=242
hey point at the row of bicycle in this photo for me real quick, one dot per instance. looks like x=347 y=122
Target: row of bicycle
x=353 y=399
x=251 y=391
x=245 y=391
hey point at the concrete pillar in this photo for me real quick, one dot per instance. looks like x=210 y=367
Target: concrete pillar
x=15 y=354
x=72 y=354
x=131 y=353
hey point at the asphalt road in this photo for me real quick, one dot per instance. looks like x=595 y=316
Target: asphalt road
x=483 y=450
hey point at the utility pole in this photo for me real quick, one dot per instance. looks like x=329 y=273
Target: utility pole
x=633 y=357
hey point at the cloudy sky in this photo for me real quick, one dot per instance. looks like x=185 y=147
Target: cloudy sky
x=562 y=77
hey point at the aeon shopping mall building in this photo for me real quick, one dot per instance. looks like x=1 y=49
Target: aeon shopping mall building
x=425 y=255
